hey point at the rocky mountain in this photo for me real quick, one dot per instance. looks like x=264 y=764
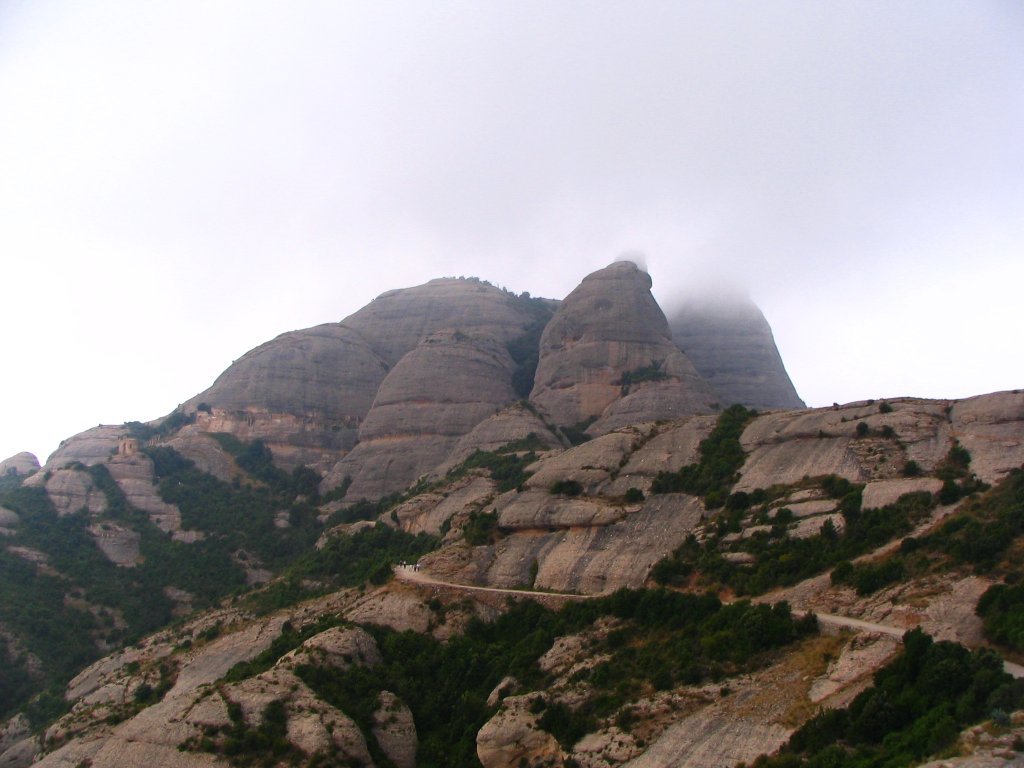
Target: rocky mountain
x=224 y=586
x=607 y=356
x=730 y=343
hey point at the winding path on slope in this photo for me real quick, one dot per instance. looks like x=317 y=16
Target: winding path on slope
x=409 y=574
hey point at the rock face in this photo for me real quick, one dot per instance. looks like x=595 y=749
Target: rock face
x=20 y=464
x=396 y=322
x=731 y=345
x=608 y=353
x=435 y=394
x=94 y=446
x=303 y=393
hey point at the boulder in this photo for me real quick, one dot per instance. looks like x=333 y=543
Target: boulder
x=71 y=490
x=20 y=464
x=395 y=731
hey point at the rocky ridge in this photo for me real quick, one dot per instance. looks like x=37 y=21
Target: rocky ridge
x=578 y=519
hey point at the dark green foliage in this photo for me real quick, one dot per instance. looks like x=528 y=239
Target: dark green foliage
x=289 y=639
x=721 y=457
x=506 y=466
x=480 y=529
x=911 y=469
x=782 y=561
x=256 y=459
x=984 y=528
x=565 y=488
x=265 y=745
x=863 y=429
x=577 y=433
x=884 y=407
x=16 y=684
x=33 y=604
x=917 y=706
x=366 y=556
x=978 y=535
x=171 y=424
x=525 y=349
x=237 y=516
x=633 y=496
x=663 y=638
x=1002 y=608
x=567 y=725
x=651 y=372
x=869 y=577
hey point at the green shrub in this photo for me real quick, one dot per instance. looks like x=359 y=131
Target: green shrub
x=565 y=488
x=633 y=496
x=918 y=704
x=480 y=528
x=721 y=457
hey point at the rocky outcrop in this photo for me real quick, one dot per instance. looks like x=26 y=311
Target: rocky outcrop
x=587 y=545
x=119 y=544
x=194 y=444
x=306 y=389
x=991 y=427
x=396 y=322
x=730 y=343
x=435 y=395
x=395 y=731
x=20 y=464
x=517 y=422
x=512 y=738
x=135 y=477
x=71 y=490
x=94 y=446
x=8 y=521
x=608 y=341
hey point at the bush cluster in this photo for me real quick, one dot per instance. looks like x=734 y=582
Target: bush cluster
x=721 y=457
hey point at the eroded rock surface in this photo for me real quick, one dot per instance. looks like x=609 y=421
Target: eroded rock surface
x=607 y=328
x=20 y=464
x=435 y=395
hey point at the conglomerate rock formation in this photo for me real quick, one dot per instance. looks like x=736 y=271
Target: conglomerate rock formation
x=420 y=382
x=730 y=343
x=608 y=353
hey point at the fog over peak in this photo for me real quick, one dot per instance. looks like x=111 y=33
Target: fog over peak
x=181 y=182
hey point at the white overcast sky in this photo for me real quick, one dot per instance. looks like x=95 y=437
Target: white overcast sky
x=181 y=181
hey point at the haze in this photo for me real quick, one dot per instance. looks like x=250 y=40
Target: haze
x=180 y=182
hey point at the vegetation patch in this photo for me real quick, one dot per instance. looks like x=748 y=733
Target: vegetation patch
x=778 y=560
x=1002 y=608
x=663 y=638
x=983 y=535
x=525 y=348
x=238 y=516
x=721 y=457
x=506 y=466
x=367 y=556
x=480 y=528
x=917 y=707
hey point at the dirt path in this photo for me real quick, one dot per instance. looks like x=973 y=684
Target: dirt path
x=409 y=574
